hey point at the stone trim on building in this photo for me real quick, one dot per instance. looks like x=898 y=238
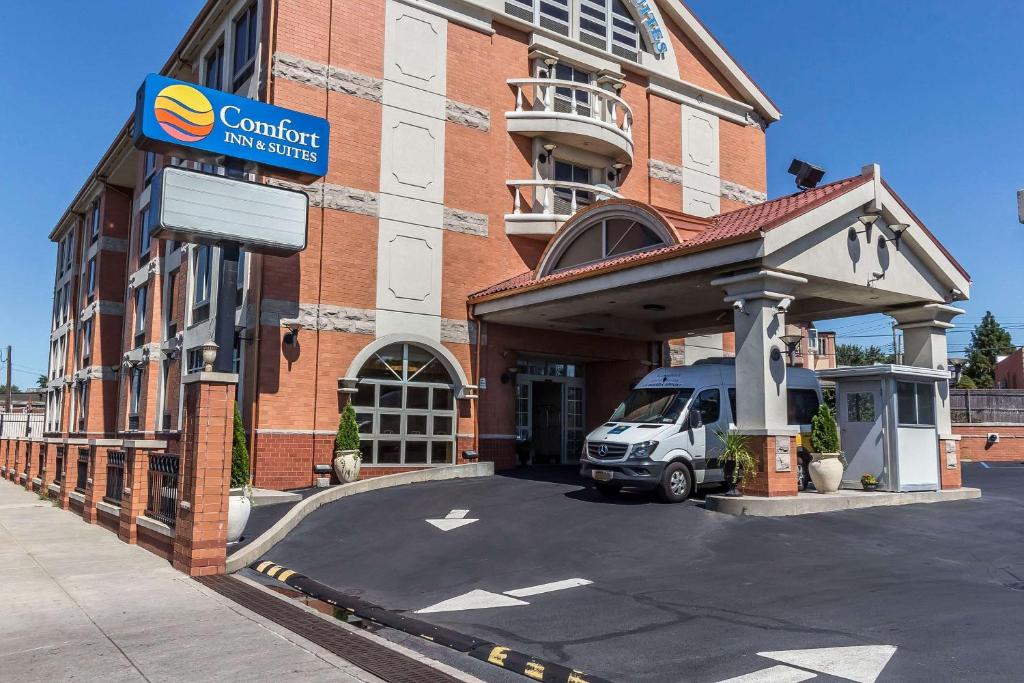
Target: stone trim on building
x=664 y=171
x=467 y=115
x=739 y=193
x=469 y=222
x=281 y=313
x=317 y=75
x=337 y=197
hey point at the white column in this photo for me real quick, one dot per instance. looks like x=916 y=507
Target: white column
x=756 y=298
x=924 y=346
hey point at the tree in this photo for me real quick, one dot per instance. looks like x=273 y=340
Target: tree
x=988 y=340
x=41 y=381
x=347 y=438
x=966 y=382
x=852 y=354
x=14 y=388
x=239 y=454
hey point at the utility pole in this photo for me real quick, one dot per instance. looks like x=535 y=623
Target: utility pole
x=895 y=347
x=10 y=391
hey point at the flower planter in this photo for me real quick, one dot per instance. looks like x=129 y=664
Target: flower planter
x=239 y=507
x=870 y=487
x=826 y=472
x=346 y=465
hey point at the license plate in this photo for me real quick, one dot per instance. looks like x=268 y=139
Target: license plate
x=602 y=475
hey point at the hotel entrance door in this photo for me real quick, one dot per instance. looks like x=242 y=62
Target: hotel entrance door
x=549 y=410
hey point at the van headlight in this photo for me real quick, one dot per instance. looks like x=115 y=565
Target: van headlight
x=642 y=450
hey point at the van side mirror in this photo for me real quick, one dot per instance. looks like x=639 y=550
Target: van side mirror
x=693 y=420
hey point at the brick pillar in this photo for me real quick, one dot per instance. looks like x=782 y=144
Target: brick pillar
x=50 y=467
x=96 y=486
x=13 y=474
x=949 y=463
x=200 y=542
x=30 y=462
x=136 y=495
x=776 y=466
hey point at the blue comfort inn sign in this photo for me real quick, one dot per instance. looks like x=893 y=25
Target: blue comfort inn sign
x=186 y=120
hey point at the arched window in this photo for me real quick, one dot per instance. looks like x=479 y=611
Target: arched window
x=405 y=405
x=607 y=239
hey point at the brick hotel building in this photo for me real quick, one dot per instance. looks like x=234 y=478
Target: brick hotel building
x=490 y=160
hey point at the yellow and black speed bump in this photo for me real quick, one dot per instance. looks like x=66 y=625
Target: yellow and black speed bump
x=484 y=650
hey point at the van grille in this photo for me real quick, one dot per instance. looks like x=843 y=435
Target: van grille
x=613 y=451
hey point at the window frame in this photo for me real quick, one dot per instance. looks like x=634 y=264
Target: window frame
x=214 y=55
x=139 y=324
x=94 y=221
x=923 y=394
x=240 y=73
x=200 y=308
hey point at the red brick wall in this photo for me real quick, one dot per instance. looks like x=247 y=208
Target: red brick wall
x=1010 y=371
x=974 y=442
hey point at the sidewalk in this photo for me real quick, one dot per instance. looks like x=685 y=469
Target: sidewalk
x=78 y=604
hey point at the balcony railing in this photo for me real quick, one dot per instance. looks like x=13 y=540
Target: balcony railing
x=578 y=114
x=539 y=207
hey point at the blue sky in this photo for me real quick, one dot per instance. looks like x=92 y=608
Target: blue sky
x=923 y=87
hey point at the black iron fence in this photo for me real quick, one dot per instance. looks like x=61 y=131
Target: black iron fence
x=115 y=477
x=976 y=406
x=163 y=487
x=83 y=470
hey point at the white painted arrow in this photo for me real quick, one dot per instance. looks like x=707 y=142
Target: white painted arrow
x=774 y=674
x=453 y=520
x=481 y=599
x=860 y=663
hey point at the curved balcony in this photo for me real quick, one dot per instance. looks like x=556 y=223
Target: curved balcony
x=540 y=207
x=575 y=114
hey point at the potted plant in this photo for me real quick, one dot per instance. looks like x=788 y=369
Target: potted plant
x=827 y=467
x=240 y=500
x=347 y=457
x=869 y=482
x=738 y=463
x=524 y=447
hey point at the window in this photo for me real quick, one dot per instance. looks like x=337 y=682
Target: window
x=860 y=406
x=245 y=35
x=568 y=199
x=194 y=360
x=94 y=222
x=66 y=303
x=801 y=405
x=201 y=284
x=170 y=325
x=240 y=278
x=625 y=39
x=915 y=404
x=405 y=406
x=144 y=231
x=709 y=405
x=213 y=73
x=82 y=405
x=135 y=398
x=140 y=313
x=148 y=168
x=90 y=280
x=652 y=406
x=56 y=307
x=86 y=341
x=69 y=255
x=569 y=100
x=606 y=239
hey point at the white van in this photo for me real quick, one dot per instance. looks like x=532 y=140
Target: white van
x=663 y=437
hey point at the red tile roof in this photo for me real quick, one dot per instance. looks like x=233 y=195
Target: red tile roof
x=727 y=228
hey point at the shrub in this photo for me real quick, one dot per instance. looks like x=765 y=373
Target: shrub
x=824 y=433
x=736 y=450
x=347 y=438
x=239 y=454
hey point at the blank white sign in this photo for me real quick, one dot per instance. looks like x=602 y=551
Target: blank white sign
x=210 y=209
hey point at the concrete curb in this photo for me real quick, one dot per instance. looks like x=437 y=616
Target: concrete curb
x=810 y=503
x=242 y=557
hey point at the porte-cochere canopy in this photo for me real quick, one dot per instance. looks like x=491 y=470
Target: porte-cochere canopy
x=627 y=269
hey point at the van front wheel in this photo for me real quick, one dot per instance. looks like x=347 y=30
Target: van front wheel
x=676 y=483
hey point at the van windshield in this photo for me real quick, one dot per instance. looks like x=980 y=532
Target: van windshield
x=660 y=405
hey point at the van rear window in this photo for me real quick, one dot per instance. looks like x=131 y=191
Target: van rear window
x=801 y=405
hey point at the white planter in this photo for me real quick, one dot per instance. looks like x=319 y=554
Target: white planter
x=239 y=507
x=826 y=473
x=346 y=465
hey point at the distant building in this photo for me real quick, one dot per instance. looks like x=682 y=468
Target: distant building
x=1010 y=371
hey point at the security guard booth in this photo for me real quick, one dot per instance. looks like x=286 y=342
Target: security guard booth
x=888 y=416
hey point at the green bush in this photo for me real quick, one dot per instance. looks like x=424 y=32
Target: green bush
x=239 y=454
x=736 y=449
x=824 y=433
x=347 y=438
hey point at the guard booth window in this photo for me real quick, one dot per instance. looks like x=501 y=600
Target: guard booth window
x=915 y=404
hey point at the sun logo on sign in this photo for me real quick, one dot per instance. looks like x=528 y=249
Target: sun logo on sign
x=184 y=113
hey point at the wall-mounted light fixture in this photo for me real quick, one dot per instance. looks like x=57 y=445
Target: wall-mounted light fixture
x=897 y=233
x=792 y=341
x=549 y=148
x=867 y=220
x=291 y=338
x=617 y=166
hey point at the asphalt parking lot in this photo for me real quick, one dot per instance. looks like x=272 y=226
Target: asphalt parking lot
x=634 y=590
